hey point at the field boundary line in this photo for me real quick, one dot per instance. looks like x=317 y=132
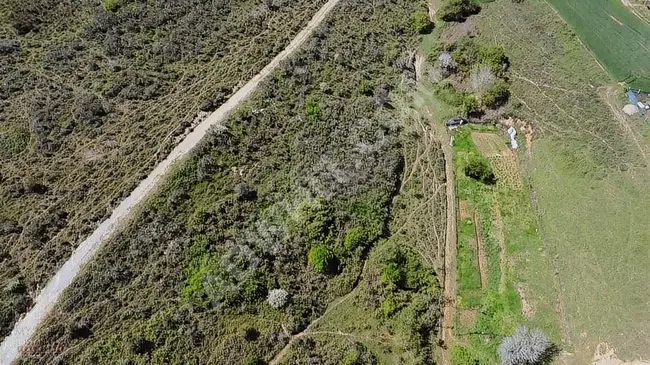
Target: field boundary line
x=44 y=303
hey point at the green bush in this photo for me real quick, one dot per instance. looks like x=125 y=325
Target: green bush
x=389 y=306
x=469 y=105
x=497 y=95
x=253 y=360
x=313 y=110
x=494 y=56
x=391 y=274
x=112 y=5
x=479 y=169
x=458 y=10
x=365 y=88
x=421 y=22
x=320 y=258
x=354 y=238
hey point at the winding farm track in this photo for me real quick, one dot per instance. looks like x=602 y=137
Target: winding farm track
x=25 y=328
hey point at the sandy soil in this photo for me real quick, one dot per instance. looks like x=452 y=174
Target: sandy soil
x=25 y=328
x=606 y=355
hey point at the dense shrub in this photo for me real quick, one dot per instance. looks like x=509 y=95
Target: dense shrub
x=479 y=169
x=111 y=5
x=320 y=258
x=421 y=22
x=465 y=102
x=313 y=110
x=496 y=95
x=277 y=298
x=458 y=10
x=354 y=238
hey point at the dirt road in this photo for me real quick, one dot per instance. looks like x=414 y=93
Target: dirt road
x=25 y=328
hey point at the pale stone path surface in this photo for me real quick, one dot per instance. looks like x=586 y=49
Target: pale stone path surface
x=26 y=326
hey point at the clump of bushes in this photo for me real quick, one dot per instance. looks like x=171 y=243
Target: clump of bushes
x=497 y=95
x=458 y=10
x=479 y=169
x=482 y=67
x=466 y=102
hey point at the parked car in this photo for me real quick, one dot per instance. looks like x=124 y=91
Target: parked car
x=456 y=122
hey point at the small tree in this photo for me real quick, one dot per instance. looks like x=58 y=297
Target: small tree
x=525 y=347
x=479 y=169
x=277 y=298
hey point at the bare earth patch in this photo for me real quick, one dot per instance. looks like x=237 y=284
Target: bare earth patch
x=468 y=317
x=527 y=308
x=606 y=355
x=457 y=31
x=464 y=210
x=480 y=252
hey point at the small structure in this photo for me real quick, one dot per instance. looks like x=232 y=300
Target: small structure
x=630 y=109
x=513 y=142
x=632 y=95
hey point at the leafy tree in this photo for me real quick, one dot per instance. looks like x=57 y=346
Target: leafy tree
x=479 y=169
x=525 y=347
x=421 y=22
x=494 y=56
x=469 y=105
x=320 y=257
x=458 y=10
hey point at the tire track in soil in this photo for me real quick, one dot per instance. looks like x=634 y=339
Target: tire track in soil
x=24 y=329
x=480 y=252
x=449 y=294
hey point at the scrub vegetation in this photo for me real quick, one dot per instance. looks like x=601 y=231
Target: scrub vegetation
x=270 y=222
x=93 y=94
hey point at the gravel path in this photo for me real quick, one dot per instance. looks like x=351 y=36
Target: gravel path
x=25 y=328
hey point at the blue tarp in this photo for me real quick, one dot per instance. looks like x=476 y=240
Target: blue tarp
x=632 y=96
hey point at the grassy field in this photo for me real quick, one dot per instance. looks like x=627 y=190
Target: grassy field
x=588 y=174
x=291 y=195
x=615 y=35
x=93 y=95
